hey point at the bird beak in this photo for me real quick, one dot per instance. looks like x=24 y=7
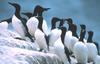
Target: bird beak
x=10 y=3
x=80 y=24
x=46 y=9
x=23 y=13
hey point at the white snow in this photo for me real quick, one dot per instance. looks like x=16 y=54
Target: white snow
x=15 y=51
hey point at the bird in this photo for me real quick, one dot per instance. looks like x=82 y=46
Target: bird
x=38 y=27
x=54 y=32
x=72 y=27
x=60 y=48
x=33 y=21
x=71 y=36
x=41 y=38
x=19 y=23
x=91 y=48
x=80 y=49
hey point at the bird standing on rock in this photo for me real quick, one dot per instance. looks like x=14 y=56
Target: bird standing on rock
x=80 y=49
x=19 y=23
x=60 y=48
x=38 y=27
x=91 y=48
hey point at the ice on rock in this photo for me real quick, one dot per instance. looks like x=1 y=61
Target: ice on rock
x=9 y=55
x=11 y=42
x=15 y=51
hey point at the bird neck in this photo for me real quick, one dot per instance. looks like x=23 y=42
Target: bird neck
x=63 y=36
x=82 y=35
x=53 y=22
x=53 y=26
x=17 y=13
x=73 y=28
x=90 y=38
x=69 y=27
x=40 y=19
x=37 y=12
x=40 y=14
x=61 y=23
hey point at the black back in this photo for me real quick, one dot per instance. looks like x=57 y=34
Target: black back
x=28 y=14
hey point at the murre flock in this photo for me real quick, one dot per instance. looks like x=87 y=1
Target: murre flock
x=64 y=42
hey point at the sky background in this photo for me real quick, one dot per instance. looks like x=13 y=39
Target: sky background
x=81 y=11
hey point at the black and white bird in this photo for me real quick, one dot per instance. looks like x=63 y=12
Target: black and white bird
x=19 y=23
x=54 y=32
x=72 y=27
x=91 y=48
x=80 y=49
x=41 y=38
x=60 y=48
x=33 y=21
x=71 y=35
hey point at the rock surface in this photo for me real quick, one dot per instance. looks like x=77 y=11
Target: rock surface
x=14 y=51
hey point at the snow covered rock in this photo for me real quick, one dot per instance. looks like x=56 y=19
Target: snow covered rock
x=11 y=42
x=9 y=55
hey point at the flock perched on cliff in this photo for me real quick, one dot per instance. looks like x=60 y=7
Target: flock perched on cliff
x=65 y=41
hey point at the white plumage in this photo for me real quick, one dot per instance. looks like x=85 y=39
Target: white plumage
x=81 y=52
x=53 y=36
x=32 y=25
x=18 y=26
x=92 y=51
x=59 y=50
x=70 y=40
x=45 y=27
x=40 y=39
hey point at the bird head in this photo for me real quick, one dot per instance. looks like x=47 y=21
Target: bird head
x=69 y=21
x=82 y=26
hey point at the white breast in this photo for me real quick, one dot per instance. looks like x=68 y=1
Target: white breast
x=81 y=52
x=67 y=40
x=40 y=39
x=59 y=50
x=92 y=51
x=18 y=26
x=54 y=35
x=45 y=27
x=32 y=25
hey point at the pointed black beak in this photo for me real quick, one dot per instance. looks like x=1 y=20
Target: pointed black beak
x=46 y=9
x=11 y=3
x=81 y=25
x=23 y=13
